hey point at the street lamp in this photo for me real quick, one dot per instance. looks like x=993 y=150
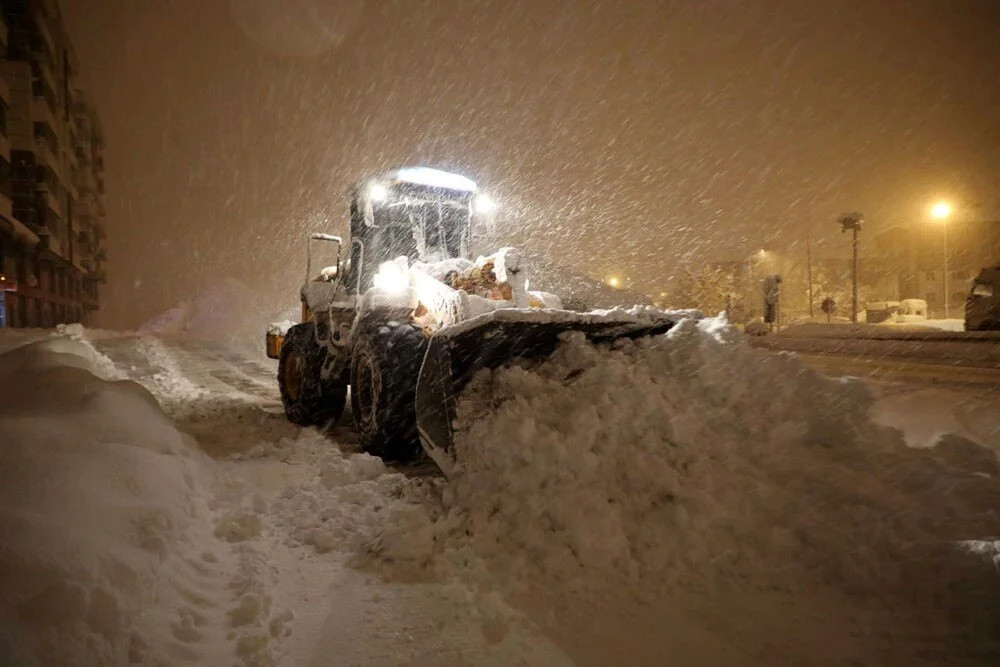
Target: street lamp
x=853 y=222
x=941 y=211
x=614 y=281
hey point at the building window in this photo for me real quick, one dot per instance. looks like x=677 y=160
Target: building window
x=5 y=185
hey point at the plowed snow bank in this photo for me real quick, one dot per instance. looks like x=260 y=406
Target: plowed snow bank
x=98 y=490
x=692 y=465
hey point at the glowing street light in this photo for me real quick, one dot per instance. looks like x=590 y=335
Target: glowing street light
x=941 y=211
x=614 y=281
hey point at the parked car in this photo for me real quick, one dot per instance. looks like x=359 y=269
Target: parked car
x=882 y=311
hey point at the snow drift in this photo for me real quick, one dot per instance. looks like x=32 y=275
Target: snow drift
x=682 y=497
x=110 y=551
x=691 y=467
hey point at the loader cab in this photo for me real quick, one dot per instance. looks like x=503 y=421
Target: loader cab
x=421 y=213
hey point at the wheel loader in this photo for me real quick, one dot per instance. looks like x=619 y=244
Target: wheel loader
x=405 y=317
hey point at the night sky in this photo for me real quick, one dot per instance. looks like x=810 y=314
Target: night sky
x=629 y=137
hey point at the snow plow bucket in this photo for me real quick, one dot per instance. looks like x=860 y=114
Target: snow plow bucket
x=456 y=353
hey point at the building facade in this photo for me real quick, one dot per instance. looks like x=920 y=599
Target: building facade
x=908 y=262
x=51 y=174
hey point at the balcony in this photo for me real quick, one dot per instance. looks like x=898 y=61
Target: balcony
x=84 y=182
x=82 y=153
x=42 y=89
x=84 y=210
x=45 y=156
x=47 y=46
x=47 y=200
x=53 y=243
x=43 y=113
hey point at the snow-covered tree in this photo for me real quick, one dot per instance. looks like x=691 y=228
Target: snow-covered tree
x=837 y=284
x=709 y=288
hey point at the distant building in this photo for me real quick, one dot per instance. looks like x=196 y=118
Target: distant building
x=51 y=174
x=908 y=262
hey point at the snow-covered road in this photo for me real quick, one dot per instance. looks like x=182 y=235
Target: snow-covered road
x=670 y=502
x=345 y=613
x=276 y=573
x=967 y=361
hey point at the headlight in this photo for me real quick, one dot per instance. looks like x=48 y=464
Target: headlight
x=377 y=192
x=391 y=278
x=485 y=204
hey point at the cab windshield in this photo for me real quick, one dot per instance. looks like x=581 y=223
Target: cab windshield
x=423 y=229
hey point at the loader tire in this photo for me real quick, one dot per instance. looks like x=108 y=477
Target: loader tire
x=384 y=370
x=307 y=398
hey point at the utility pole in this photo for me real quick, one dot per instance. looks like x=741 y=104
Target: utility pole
x=941 y=211
x=809 y=274
x=854 y=275
x=853 y=222
x=947 y=310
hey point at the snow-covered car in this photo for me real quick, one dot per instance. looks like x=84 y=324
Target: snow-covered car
x=881 y=311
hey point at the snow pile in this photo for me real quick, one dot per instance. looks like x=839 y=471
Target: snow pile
x=354 y=503
x=228 y=311
x=98 y=486
x=692 y=464
x=115 y=548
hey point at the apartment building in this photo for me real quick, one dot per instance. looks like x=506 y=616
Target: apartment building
x=908 y=261
x=51 y=174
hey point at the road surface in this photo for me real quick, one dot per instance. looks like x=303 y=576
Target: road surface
x=946 y=359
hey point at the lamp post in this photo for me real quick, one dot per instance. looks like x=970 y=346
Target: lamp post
x=853 y=222
x=941 y=211
x=809 y=274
